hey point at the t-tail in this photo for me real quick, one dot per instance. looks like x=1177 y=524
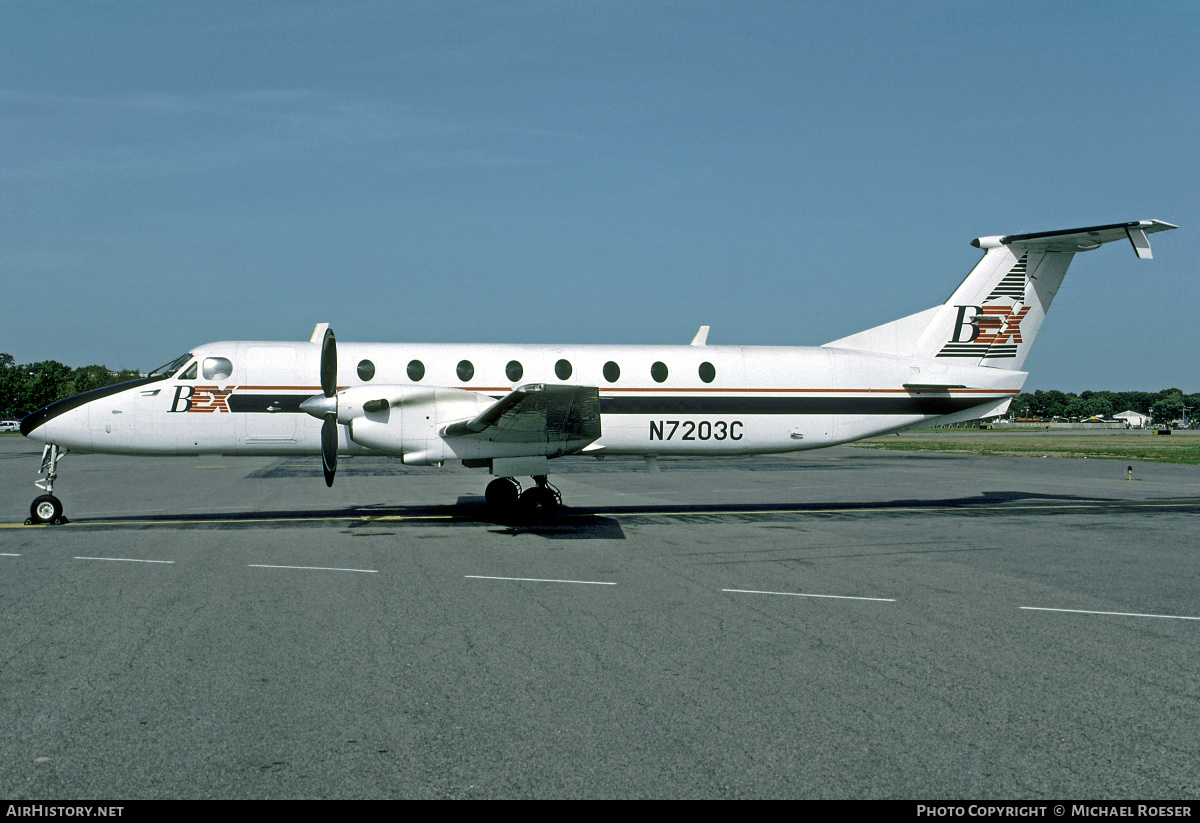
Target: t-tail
x=992 y=318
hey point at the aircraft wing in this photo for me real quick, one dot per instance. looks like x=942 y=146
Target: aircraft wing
x=537 y=413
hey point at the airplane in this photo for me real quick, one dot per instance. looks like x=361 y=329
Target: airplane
x=512 y=409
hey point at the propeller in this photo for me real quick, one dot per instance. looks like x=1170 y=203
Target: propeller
x=329 y=432
x=329 y=444
x=324 y=406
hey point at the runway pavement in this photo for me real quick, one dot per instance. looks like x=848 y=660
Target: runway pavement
x=838 y=623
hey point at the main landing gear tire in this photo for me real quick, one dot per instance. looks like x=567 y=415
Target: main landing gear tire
x=505 y=498
x=46 y=509
x=503 y=493
x=539 y=502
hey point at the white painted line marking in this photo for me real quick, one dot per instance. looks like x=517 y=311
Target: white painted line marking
x=798 y=594
x=6 y=554
x=538 y=580
x=1116 y=614
x=311 y=568
x=125 y=560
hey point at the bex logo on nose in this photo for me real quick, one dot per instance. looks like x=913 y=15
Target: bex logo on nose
x=201 y=399
x=988 y=325
x=185 y=399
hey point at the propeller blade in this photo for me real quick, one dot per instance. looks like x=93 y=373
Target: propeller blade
x=329 y=364
x=329 y=447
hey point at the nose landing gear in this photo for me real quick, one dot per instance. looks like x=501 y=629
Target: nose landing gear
x=46 y=508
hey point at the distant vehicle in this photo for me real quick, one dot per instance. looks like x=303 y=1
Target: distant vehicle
x=512 y=409
x=9 y=425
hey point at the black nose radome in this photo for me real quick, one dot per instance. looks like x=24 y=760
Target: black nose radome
x=51 y=410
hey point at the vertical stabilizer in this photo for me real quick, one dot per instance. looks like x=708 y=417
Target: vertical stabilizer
x=993 y=316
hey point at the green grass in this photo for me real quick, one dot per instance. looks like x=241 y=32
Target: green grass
x=1139 y=446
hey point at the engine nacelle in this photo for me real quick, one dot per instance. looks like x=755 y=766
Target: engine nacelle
x=405 y=420
x=350 y=402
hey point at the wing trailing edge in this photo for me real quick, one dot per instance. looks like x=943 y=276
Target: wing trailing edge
x=537 y=413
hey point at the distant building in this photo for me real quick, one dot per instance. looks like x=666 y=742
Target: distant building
x=1133 y=419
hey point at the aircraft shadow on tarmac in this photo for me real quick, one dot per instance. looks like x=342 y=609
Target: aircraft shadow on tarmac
x=292 y=468
x=589 y=523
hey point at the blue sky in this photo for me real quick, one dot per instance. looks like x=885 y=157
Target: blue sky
x=788 y=173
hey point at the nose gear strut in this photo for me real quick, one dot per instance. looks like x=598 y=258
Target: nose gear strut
x=47 y=508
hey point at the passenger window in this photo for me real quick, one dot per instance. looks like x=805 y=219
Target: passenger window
x=465 y=370
x=708 y=372
x=514 y=371
x=611 y=371
x=217 y=368
x=416 y=370
x=563 y=369
x=190 y=374
x=366 y=370
x=659 y=372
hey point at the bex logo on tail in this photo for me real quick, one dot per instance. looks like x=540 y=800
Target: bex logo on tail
x=985 y=331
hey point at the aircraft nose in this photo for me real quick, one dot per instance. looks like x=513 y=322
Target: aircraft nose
x=37 y=424
x=67 y=419
x=62 y=422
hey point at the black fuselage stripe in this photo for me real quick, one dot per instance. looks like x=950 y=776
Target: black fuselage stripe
x=788 y=405
x=699 y=404
x=254 y=403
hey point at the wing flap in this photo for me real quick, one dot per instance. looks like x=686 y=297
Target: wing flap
x=537 y=413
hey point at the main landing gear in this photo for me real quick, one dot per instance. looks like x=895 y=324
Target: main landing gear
x=46 y=508
x=504 y=495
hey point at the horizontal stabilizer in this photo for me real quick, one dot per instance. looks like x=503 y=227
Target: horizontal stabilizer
x=1085 y=239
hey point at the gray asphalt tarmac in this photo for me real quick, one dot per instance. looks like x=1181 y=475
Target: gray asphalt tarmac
x=840 y=623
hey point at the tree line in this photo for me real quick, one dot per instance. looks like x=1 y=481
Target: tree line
x=1164 y=406
x=28 y=386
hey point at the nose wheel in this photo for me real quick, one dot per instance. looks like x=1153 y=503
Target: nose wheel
x=47 y=509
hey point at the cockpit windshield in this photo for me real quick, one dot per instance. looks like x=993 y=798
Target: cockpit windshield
x=172 y=367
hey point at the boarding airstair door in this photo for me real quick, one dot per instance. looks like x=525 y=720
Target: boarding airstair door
x=269 y=402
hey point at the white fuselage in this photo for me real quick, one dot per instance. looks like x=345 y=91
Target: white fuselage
x=711 y=400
